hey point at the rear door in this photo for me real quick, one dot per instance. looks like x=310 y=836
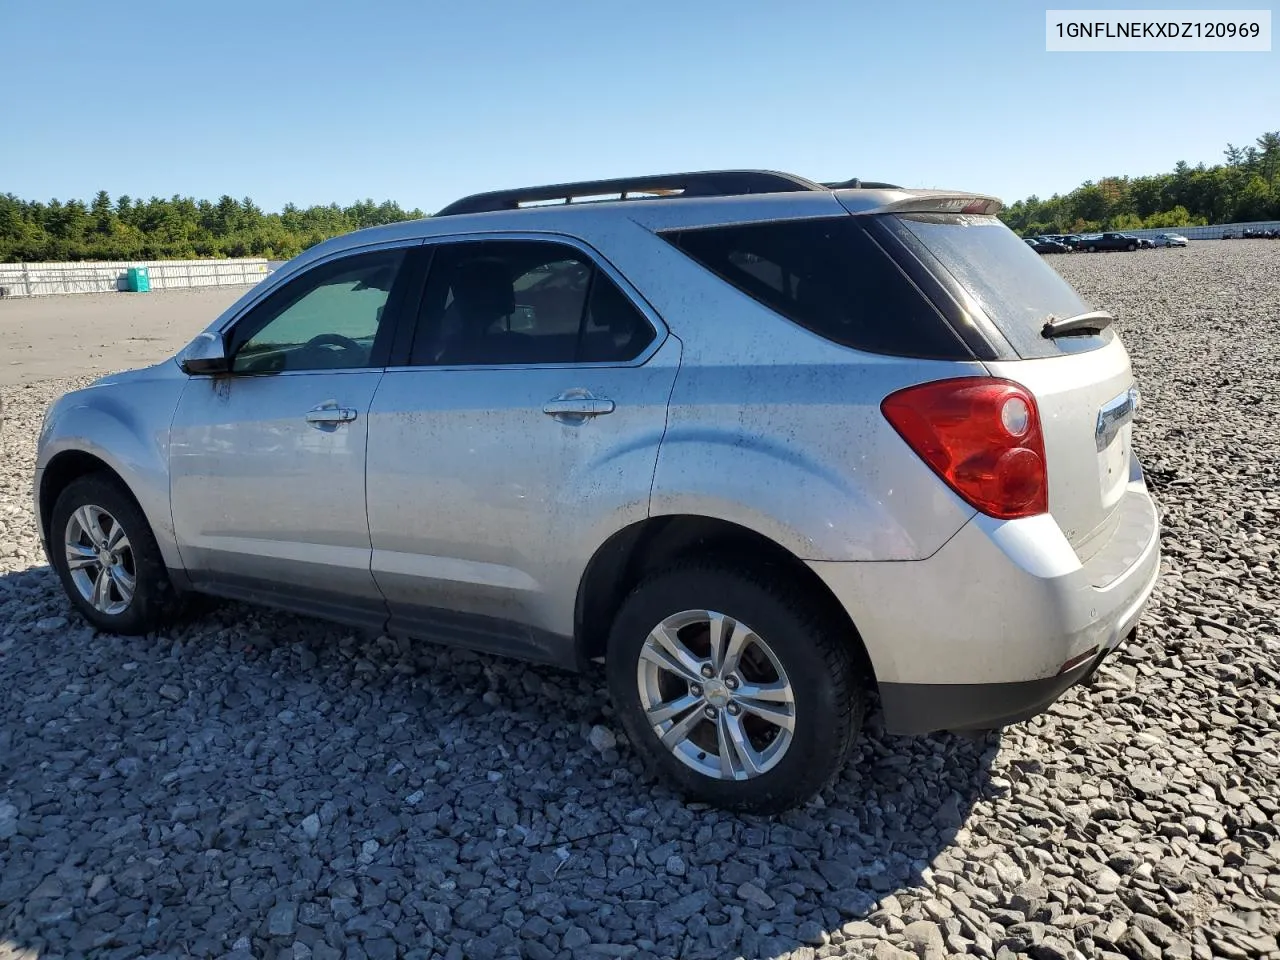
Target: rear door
x=1081 y=383
x=519 y=432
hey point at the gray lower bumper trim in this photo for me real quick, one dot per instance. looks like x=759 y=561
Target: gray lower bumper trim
x=917 y=708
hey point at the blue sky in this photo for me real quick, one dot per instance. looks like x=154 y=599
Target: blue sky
x=422 y=101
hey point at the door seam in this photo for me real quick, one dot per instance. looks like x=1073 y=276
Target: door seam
x=368 y=525
x=666 y=423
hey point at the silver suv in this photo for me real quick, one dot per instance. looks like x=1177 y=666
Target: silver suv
x=762 y=446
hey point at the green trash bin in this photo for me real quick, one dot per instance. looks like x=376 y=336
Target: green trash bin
x=137 y=280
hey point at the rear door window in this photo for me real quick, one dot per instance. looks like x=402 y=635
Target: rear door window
x=523 y=302
x=1010 y=282
x=830 y=277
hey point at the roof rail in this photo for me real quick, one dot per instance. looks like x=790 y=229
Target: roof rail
x=711 y=183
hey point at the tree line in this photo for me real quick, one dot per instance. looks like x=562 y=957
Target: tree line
x=175 y=229
x=1246 y=187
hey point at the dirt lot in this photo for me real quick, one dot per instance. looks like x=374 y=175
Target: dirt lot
x=98 y=333
x=259 y=785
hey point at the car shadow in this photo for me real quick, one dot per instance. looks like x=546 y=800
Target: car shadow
x=257 y=784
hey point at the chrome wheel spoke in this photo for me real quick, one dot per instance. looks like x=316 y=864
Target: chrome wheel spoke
x=771 y=702
x=102 y=589
x=672 y=708
x=728 y=639
x=738 y=758
x=779 y=691
x=681 y=729
x=90 y=520
x=125 y=582
x=664 y=649
x=116 y=540
x=80 y=556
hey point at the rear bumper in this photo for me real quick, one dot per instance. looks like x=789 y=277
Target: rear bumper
x=925 y=707
x=999 y=622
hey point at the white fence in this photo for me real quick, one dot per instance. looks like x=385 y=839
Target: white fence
x=42 y=279
x=1212 y=232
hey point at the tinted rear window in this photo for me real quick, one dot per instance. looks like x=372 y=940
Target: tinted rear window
x=1012 y=283
x=830 y=277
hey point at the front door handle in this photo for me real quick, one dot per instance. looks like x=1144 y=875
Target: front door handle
x=575 y=409
x=329 y=414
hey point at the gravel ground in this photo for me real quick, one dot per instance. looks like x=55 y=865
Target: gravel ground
x=259 y=785
x=91 y=334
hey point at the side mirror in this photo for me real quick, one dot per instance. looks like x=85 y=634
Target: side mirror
x=206 y=354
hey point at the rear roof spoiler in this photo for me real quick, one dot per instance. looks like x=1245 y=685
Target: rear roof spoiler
x=943 y=201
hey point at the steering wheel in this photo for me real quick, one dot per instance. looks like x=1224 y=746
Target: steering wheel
x=332 y=340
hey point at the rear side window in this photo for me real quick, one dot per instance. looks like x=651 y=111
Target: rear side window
x=522 y=302
x=1012 y=284
x=830 y=277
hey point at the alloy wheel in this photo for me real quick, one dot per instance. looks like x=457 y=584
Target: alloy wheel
x=716 y=695
x=100 y=559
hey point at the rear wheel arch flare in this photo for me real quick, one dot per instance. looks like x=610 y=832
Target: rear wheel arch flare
x=643 y=548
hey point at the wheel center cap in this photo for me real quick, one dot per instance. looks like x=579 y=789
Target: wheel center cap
x=716 y=693
x=104 y=558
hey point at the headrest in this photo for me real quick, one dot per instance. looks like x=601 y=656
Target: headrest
x=483 y=289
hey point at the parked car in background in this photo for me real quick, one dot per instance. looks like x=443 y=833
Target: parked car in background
x=1109 y=241
x=1145 y=244
x=1169 y=240
x=759 y=447
x=1069 y=240
x=1047 y=245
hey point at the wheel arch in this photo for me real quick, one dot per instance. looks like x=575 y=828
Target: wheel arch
x=61 y=471
x=647 y=546
x=73 y=462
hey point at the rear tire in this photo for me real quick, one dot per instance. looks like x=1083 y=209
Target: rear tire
x=720 y=748
x=106 y=556
x=1093 y=249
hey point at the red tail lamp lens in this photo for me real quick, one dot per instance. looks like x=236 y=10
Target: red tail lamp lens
x=982 y=436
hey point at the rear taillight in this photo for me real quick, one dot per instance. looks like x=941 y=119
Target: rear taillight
x=982 y=436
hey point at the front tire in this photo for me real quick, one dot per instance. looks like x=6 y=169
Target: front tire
x=735 y=686
x=107 y=559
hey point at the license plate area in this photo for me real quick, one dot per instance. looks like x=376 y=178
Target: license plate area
x=1113 y=437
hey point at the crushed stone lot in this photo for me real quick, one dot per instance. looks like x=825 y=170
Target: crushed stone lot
x=253 y=784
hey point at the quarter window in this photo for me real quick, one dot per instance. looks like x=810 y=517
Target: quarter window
x=519 y=302
x=828 y=276
x=327 y=319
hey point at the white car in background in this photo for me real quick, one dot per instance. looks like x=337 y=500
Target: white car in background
x=1169 y=240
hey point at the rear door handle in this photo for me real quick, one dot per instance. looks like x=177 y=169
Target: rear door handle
x=330 y=414
x=568 y=409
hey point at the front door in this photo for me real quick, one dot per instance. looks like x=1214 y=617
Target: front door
x=523 y=432
x=268 y=462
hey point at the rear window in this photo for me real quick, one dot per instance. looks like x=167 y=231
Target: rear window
x=1012 y=283
x=830 y=277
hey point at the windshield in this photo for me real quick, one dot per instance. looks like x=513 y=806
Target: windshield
x=1012 y=284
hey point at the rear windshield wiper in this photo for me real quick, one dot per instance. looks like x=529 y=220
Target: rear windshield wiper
x=1094 y=321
